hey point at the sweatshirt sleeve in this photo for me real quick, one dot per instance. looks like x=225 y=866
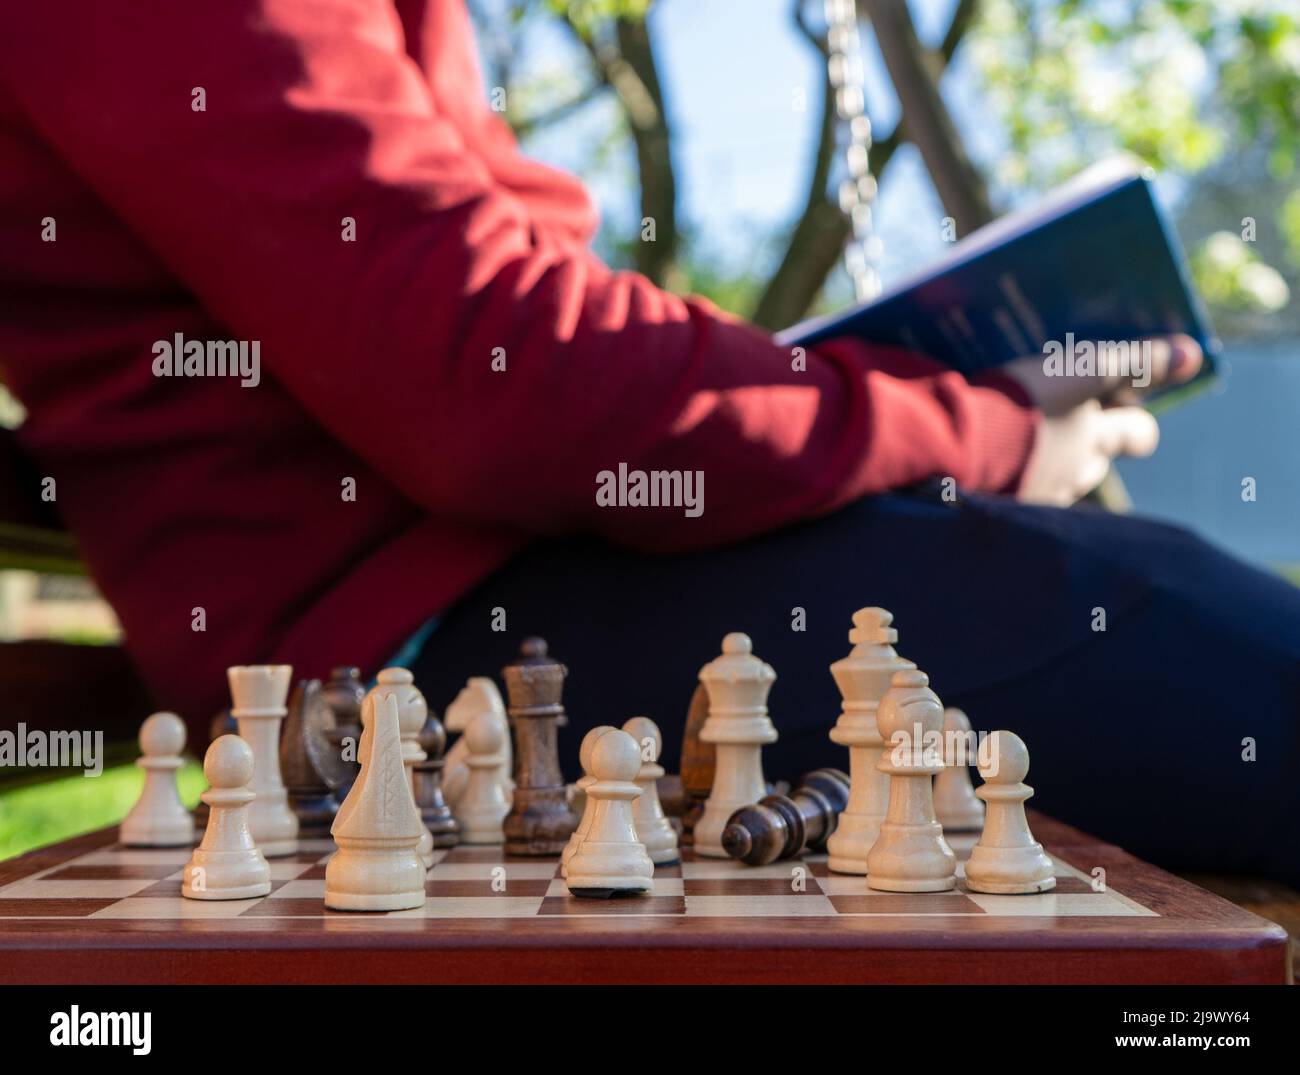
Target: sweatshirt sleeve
x=488 y=373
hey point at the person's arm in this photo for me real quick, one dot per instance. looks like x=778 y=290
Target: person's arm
x=315 y=113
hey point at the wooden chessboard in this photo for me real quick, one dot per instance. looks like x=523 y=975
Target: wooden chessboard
x=91 y=911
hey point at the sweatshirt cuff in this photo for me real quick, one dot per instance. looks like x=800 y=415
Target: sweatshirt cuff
x=1004 y=433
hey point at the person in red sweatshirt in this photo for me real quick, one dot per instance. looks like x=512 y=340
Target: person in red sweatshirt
x=439 y=394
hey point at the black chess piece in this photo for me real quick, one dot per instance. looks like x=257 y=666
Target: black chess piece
x=780 y=827
x=540 y=821
x=343 y=694
x=434 y=811
x=304 y=751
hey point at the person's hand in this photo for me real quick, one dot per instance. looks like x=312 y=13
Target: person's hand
x=1090 y=419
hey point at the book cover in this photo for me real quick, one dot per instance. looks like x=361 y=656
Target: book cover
x=1095 y=260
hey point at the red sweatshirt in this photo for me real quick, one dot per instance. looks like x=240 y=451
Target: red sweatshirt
x=192 y=168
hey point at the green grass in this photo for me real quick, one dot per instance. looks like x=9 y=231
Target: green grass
x=51 y=810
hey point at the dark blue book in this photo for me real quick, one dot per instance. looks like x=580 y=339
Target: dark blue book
x=1095 y=260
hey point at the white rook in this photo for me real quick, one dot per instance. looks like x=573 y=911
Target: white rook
x=259 y=692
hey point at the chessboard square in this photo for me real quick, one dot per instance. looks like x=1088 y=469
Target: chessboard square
x=708 y=869
x=481 y=907
x=299 y=889
x=139 y=872
x=52 y=908
x=491 y=869
x=667 y=887
x=1052 y=905
x=437 y=888
x=162 y=909
x=492 y=853
x=576 y=906
x=787 y=906
x=752 y=886
x=906 y=903
x=288 y=869
x=843 y=884
x=171 y=889
x=313 y=873
x=1072 y=886
x=41 y=888
x=135 y=856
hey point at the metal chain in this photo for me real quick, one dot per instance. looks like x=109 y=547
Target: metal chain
x=857 y=192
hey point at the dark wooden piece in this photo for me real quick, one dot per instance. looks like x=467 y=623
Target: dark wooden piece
x=698 y=762
x=434 y=810
x=343 y=694
x=304 y=746
x=781 y=827
x=540 y=821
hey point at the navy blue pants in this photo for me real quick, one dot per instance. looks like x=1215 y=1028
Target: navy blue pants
x=1174 y=732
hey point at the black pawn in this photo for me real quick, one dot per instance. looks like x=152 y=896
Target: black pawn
x=304 y=749
x=434 y=810
x=781 y=827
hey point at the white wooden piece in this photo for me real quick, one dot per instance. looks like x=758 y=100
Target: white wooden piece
x=955 y=803
x=479 y=695
x=159 y=818
x=258 y=693
x=1007 y=858
x=483 y=804
x=581 y=785
x=652 y=825
x=412 y=712
x=227 y=865
x=377 y=829
x=611 y=858
x=862 y=678
x=738 y=725
x=910 y=854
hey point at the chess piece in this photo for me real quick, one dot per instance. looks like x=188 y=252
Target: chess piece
x=1007 y=858
x=227 y=865
x=259 y=692
x=540 y=821
x=343 y=695
x=587 y=805
x=412 y=711
x=222 y=723
x=483 y=804
x=377 y=830
x=910 y=854
x=697 y=764
x=862 y=678
x=479 y=695
x=434 y=811
x=610 y=858
x=652 y=826
x=955 y=804
x=159 y=818
x=303 y=742
x=738 y=726
x=781 y=827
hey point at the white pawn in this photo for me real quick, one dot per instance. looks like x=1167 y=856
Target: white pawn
x=412 y=712
x=1007 y=858
x=910 y=854
x=227 y=865
x=377 y=829
x=955 y=804
x=580 y=794
x=738 y=725
x=652 y=826
x=862 y=678
x=610 y=858
x=483 y=803
x=479 y=695
x=259 y=692
x=159 y=818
